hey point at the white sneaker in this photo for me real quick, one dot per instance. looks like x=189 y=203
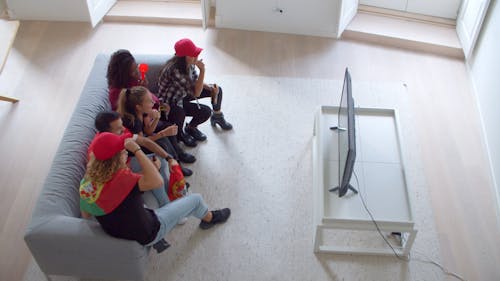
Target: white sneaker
x=182 y=221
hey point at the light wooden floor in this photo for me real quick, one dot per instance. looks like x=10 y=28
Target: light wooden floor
x=8 y=30
x=49 y=63
x=390 y=30
x=165 y=12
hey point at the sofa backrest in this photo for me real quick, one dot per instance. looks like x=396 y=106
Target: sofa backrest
x=155 y=63
x=59 y=194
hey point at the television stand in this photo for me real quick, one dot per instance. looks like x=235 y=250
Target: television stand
x=349 y=187
x=379 y=167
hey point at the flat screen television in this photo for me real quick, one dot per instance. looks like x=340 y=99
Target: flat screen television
x=346 y=134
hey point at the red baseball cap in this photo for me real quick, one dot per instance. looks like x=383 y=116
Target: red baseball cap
x=106 y=145
x=186 y=47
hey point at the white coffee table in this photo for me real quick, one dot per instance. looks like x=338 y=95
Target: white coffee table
x=379 y=169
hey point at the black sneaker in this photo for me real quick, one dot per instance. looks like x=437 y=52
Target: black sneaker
x=195 y=133
x=187 y=139
x=186 y=172
x=218 y=216
x=161 y=246
x=185 y=157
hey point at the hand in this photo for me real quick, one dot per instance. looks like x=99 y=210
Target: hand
x=215 y=88
x=210 y=87
x=172 y=162
x=144 y=82
x=169 y=131
x=214 y=93
x=131 y=145
x=155 y=114
x=200 y=64
x=165 y=108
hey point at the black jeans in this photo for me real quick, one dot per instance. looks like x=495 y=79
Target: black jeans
x=199 y=112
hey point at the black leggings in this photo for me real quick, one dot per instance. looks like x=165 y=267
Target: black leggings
x=199 y=112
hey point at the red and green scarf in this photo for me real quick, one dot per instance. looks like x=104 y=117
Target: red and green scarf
x=102 y=199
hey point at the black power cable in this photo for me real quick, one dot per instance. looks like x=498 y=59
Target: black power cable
x=405 y=259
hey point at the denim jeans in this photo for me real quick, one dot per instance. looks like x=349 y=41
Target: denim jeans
x=160 y=193
x=171 y=213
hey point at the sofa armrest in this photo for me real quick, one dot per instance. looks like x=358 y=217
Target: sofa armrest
x=78 y=247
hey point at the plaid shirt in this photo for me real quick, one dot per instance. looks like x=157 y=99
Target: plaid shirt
x=173 y=86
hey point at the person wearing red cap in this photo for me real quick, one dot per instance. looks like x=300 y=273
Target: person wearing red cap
x=112 y=193
x=110 y=121
x=179 y=84
x=123 y=73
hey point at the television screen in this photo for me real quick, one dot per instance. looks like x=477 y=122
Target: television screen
x=346 y=138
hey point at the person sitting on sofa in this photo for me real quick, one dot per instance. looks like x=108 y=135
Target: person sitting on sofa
x=110 y=121
x=123 y=73
x=111 y=192
x=179 y=84
x=139 y=117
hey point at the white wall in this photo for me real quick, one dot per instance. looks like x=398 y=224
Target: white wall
x=484 y=66
x=3 y=7
x=59 y=10
x=442 y=8
x=312 y=17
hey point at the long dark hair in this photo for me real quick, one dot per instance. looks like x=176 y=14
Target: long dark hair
x=175 y=63
x=119 y=69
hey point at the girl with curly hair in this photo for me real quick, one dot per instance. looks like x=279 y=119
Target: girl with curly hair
x=112 y=193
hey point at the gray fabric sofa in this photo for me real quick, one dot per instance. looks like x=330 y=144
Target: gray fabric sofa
x=61 y=242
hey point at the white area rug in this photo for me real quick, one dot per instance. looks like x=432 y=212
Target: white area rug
x=262 y=170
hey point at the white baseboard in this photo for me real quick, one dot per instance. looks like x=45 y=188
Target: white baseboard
x=484 y=139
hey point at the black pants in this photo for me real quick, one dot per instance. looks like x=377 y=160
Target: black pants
x=190 y=107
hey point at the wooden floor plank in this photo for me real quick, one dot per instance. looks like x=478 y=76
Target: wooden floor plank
x=49 y=63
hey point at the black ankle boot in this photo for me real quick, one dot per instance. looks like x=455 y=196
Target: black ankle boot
x=218 y=118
